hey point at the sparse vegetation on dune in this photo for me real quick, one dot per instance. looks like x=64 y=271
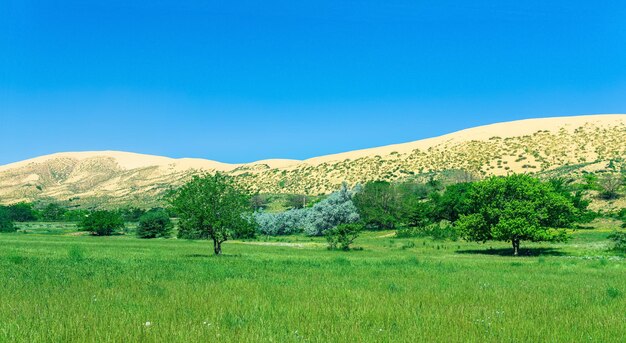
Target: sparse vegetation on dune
x=570 y=147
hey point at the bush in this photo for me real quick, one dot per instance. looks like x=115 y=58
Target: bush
x=343 y=235
x=619 y=240
x=336 y=209
x=6 y=224
x=154 y=224
x=102 y=223
x=283 y=223
x=21 y=212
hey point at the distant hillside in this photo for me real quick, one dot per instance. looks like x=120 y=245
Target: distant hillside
x=565 y=145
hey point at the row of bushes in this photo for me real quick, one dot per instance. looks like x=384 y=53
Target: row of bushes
x=51 y=212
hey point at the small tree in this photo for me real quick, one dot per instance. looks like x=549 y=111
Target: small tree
x=102 y=223
x=610 y=185
x=212 y=207
x=154 y=224
x=515 y=208
x=343 y=235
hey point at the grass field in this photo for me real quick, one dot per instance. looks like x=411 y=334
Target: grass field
x=60 y=287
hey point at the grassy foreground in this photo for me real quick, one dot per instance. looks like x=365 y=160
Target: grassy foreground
x=65 y=288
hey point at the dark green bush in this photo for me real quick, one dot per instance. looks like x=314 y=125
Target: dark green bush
x=6 y=224
x=102 y=223
x=154 y=224
x=343 y=235
x=619 y=240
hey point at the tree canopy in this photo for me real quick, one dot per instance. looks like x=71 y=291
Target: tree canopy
x=515 y=208
x=155 y=224
x=102 y=223
x=6 y=224
x=212 y=207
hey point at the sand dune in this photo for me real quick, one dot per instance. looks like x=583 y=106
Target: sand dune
x=533 y=145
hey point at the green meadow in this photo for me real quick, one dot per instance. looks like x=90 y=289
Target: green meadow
x=61 y=287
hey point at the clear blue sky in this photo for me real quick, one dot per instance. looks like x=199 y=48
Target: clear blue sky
x=238 y=81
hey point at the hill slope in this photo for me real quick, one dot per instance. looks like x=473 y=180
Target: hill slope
x=564 y=144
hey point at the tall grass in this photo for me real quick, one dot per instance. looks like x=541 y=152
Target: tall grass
x=97 y=289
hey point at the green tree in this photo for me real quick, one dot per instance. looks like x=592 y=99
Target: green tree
x=516 y=208
x=343 y=235
x=212 y=207
x=155 y=224
x=452 y=203
x=378 y=205
x=102 y=223
x=6 y=224
x=131 y=214
x=22 y=212
x=53 y=212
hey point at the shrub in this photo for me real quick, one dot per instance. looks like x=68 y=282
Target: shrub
x=343 y=235
x=619 y=240
x=21 y=212
x=6 y=224
x=154 y=224
x=102 y=223
x=283 y=223
x=336 y=209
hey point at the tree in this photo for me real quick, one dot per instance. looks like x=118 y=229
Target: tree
x=343 y=235
x=377 y=205
x=22 y=212
x=610 y=185
x=53 y=212
x=212 y=207
x=452 y=203
x=515 y=208
x=154 y=224
x=6 y=224
x=102 y=223
x=131 y=214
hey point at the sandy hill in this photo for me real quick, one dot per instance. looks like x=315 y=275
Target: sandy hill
x=100 y=178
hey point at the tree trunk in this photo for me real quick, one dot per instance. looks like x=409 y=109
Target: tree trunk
x=515 y=247
x=217 y=247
